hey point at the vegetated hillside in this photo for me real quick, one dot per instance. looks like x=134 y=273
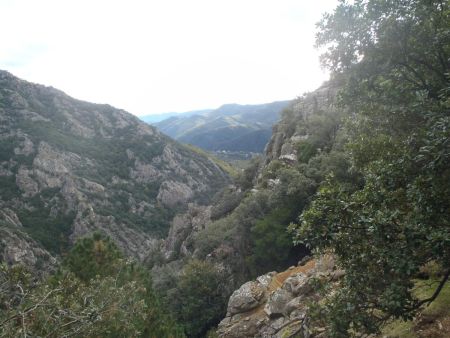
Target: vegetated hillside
x=382 y=206
x=231 y=139
x=358 y=168
x=242 y=234
x=231 y=127
x=69 y=167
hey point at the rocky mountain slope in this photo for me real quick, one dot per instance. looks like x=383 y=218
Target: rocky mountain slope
x=69 y=167
x=292 y=129
x=242 y=233
x=297 y=158
x=282 y=151
x=231 y=127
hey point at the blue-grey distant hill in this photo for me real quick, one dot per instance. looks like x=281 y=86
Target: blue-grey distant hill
x=231 y=127
x=160 y=117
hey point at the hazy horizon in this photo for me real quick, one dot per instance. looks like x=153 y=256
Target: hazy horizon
x=165 y=56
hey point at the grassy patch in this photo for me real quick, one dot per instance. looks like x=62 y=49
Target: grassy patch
x=438 y=309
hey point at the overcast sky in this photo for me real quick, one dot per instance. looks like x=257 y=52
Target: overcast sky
x=151 y=56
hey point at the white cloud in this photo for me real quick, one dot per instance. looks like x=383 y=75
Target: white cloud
x=158 y=56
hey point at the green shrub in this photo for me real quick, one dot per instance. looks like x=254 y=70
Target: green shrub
x=95 y=294
x=199 y=300
x=305 y=151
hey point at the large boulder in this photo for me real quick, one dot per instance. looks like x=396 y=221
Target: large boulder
x=266 y=279
x=298 y=284
x=246 y=327
x=294 y=305
x=284 y=313
x=277 y=301
x=247 y=297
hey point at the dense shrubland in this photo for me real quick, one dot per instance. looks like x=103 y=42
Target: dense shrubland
x=95 y=293
x=394 y=59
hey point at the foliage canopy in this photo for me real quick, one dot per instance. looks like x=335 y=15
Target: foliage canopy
x=394 y=58
x=116 y=300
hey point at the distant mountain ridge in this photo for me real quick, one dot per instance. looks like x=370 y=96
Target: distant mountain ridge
x=231 y=127
x=163 y=116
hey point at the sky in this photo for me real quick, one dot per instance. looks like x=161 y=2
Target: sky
x=158 y=56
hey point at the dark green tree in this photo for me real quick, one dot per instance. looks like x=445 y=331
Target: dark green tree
x=394 y=60
x=93 y=256
x=271 y=242
x=199 y=300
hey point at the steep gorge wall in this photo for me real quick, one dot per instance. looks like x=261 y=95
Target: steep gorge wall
x=290 y=129
x=68 y=168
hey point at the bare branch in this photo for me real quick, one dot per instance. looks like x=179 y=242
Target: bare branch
x=30 y=308
x=436 y=292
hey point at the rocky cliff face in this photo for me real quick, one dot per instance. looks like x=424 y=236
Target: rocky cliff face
x=16 y=247
x=69 y=167
x=290 y=130
x=178 y=243
x=276 y=304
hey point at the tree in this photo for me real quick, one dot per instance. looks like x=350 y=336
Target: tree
x=394 y=58
x=199 y=298
x=93 y=256
x=271 y=242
